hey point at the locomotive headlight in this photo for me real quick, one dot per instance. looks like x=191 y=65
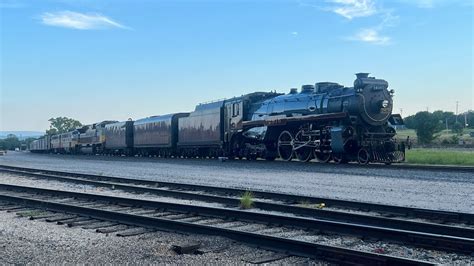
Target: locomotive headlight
x=384 y=104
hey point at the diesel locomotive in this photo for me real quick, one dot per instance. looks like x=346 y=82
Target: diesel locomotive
x=325 y=121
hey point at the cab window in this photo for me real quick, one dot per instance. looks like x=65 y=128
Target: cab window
x=235 y=109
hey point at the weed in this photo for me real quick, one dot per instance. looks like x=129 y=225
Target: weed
x=307 y=204
x=246 y=201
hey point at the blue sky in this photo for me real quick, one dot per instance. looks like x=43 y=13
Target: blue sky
x=117 y=59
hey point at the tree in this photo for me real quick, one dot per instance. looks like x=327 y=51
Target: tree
x=426 y=125
x=10 y=142
x=457 y=128
x=410 y=121
x=61 y=125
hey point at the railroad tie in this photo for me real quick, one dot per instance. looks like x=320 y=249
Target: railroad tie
x=266 y=258
x=78 y=219
x=11 y=207
x=112 y=229
x=100 y=225
x=60 y=217
x=86 y=222
x=42 y=216
x=134 y=232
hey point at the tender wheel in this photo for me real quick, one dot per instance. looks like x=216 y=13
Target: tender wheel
x=338 y=158
x=285 y=146
x=270 y=158
x=323 y=156
x=302 y=151
x=363 y=156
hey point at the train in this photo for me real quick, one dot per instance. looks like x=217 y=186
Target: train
x=327 y=122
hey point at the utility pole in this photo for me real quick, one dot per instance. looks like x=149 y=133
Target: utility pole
x=457 y=105
x=401 y=112
x=447 y=124
x=465 y=119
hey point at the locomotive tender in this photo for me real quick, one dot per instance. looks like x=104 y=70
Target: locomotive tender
x=326 y=121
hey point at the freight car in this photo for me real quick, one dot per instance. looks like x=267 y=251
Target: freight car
x=326 y=121
x=41 y=145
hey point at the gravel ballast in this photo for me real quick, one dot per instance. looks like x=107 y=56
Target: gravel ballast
x=23 y=241
x=342 y=241
x=414 y=188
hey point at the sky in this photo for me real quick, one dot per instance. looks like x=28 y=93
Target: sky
x=96 y=60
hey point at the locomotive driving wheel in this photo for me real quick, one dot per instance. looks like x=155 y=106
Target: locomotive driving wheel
x=363 y=156
x=303 y=151
x=285 y=145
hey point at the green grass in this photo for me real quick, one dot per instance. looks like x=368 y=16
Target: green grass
x=441 y=157
x=307 y=204
x=246 y=201
x=442 y=135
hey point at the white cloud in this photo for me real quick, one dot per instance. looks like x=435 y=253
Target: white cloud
x=354 y=8
x=437 y=3
x=80 y=21
x=294 y=33
x=371 y=36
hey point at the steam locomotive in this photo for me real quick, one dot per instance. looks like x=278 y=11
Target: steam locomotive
x=325 y=121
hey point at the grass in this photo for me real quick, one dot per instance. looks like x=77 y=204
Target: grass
x=402 y=134
x=441 y=157
x=246 y=201
x=307 y=204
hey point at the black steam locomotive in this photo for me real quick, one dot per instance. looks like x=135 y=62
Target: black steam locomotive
x=326 y=121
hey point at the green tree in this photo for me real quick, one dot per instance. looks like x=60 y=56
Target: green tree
x=426 y=125
x=457 y=128
x=61 y=125
x=410 y=122
x=10 y=142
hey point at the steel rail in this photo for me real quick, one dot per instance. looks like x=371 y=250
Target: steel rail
x=404 y=166
x=445 y=216
x=333 y=254
x=269 y=206
x=425 y=240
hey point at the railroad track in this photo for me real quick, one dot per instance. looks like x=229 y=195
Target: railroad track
x=293 y=235
x=390 y=216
